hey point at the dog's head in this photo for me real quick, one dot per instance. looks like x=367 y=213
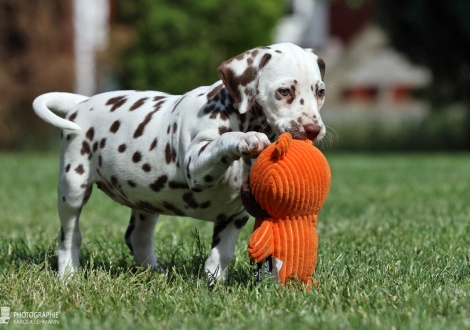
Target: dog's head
x=286 y=81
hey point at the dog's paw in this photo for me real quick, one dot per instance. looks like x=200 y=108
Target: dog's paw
x=252 y=144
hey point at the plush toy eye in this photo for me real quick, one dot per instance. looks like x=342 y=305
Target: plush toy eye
x=283 y=91
x=321 y=92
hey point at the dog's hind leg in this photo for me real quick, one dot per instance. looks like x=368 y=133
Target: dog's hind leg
x=73 y=190
x=139 y=238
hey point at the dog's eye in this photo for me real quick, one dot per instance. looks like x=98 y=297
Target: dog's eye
x=321 y=92
x=283 y=91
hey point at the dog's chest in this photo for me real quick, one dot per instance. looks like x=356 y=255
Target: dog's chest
x=136 y=143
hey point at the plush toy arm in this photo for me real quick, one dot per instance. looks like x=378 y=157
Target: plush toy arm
x=261 y=244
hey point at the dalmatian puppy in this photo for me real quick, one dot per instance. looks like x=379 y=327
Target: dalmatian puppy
x=184 y=155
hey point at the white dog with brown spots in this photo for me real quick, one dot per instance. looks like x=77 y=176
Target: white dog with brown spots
x=184 y=155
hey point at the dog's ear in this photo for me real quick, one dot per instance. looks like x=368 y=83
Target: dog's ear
x=322 y=66
x=240 y=75
x=320 y=62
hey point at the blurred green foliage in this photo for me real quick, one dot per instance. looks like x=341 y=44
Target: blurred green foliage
x=440 y=130
x=180 y=44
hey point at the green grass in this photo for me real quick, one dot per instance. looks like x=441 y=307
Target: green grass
x=394 y=254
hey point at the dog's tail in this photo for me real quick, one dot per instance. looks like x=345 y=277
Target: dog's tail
x=46 y=105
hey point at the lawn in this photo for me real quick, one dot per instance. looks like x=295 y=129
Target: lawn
x=394 y=253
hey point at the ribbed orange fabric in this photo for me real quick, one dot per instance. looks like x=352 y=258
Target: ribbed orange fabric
x=290 y=180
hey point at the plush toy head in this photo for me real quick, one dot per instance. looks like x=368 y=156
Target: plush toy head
x=285 y=190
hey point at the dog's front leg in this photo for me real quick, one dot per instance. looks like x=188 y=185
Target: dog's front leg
x=207 y=159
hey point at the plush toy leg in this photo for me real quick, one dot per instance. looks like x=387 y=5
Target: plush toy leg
x=261 y=243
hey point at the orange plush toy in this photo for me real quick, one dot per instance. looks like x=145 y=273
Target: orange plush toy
x=285 y=190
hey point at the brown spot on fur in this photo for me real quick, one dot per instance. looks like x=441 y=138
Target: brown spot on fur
x=90 y=134
x=67 y=168
x=73 y=116
x=157 y=98
x=131 y=183
x=127 y=236
x=79 y=169
x=146 y=167
x=292 y=95
x=215 y=242
x=190 y=200
x=177 y=185
x=173 y=209
x=100 y=161
x=95 y=146
x=168 y=153
x=213 y=92
x=153 y=145
x=302 y=101
x=158 y=105
x=115 y=126
x=221 y=223
x=85 y=148
x=138 y=103
x=224 y=129
x=83 y=186
x=140 y=129
x=264 y=60
x=122 y=148
x=203 y=148
x=205 y=205
x=116 y=102
x=175 y=127
x=146 y=206
x=240 y=223
x=158 y=184
x=136 y=157
x=103 y=143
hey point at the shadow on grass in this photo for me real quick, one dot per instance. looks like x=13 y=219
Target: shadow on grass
x=186 y=262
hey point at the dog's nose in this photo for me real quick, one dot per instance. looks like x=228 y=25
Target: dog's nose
x=312 y=131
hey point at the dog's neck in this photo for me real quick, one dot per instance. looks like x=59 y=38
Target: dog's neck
x=222 y=104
